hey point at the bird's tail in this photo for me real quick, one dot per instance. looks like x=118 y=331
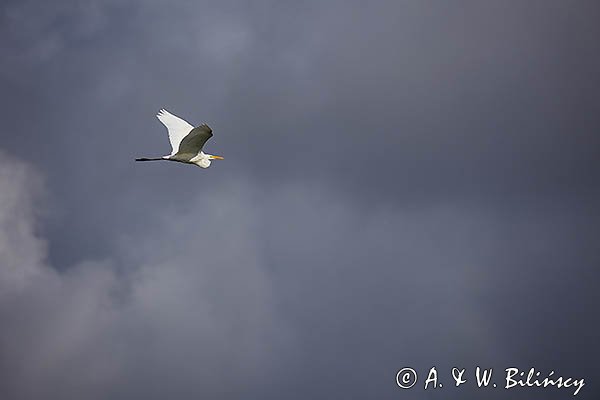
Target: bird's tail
x=149 y=159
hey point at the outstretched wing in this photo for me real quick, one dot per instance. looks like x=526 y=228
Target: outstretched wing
x=192 y=144
x=177 y=127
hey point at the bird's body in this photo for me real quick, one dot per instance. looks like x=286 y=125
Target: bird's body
x=186 y=141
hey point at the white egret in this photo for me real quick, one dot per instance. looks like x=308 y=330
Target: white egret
x=186 y=141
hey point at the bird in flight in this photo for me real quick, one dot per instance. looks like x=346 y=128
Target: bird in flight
x=186 y=141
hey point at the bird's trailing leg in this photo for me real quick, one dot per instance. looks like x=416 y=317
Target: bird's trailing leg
x=150 y=159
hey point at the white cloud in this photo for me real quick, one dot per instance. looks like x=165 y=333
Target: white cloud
x=182 y=308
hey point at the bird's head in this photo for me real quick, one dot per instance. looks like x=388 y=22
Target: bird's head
x=204 y=162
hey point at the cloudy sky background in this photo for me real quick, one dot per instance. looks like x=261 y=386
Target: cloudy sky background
x=404 y=184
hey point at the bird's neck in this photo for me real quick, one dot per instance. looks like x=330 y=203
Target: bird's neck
x=203 y=161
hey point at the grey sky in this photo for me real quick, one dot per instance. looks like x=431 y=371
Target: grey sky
x=404 y=184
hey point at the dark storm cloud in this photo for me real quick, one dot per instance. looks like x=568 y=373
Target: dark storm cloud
x=403 y=184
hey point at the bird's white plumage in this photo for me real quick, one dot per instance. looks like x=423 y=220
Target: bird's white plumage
x=177 y=128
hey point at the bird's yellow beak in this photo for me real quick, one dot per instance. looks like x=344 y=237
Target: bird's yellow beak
x=216 y=158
